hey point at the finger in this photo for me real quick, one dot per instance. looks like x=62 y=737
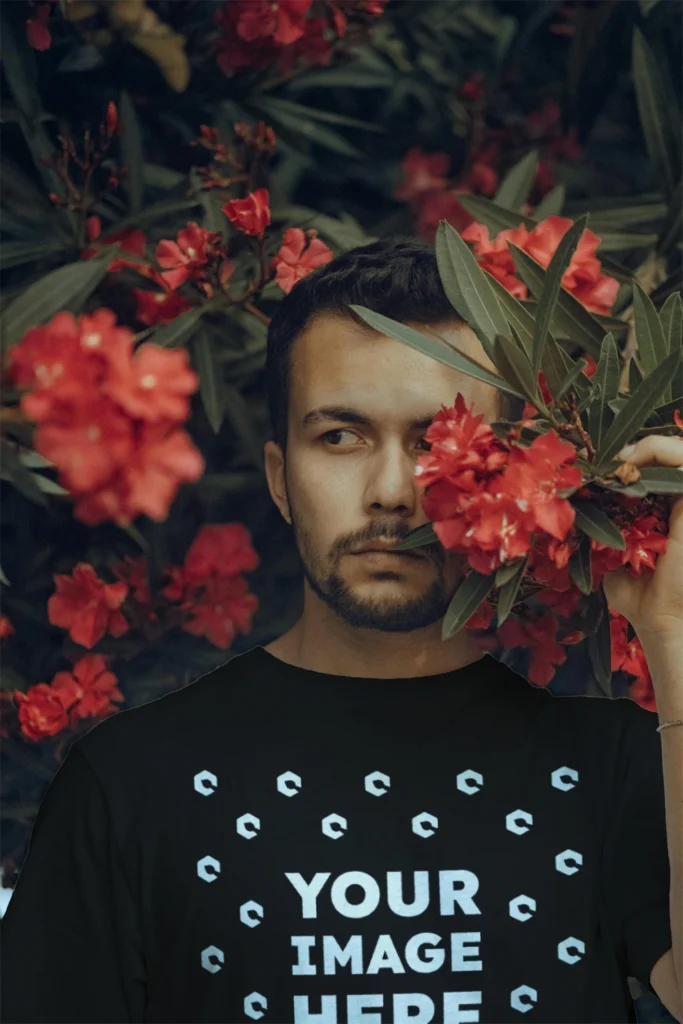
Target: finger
x=656 y=449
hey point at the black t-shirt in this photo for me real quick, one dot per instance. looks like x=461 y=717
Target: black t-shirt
x=272 y=843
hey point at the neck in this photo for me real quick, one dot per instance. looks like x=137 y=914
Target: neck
x=323 y=642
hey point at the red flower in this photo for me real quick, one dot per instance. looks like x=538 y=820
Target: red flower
x=678 y=420
x=422 y=172
x=535 y=474
x=130 y=240
x=112 y=119
x=59 y=357
x=282 y=20
x=314 y=47
x=224 y=608
x=87 y=607
x=481 y=178
x=495 y=256
x=645 y=539
x=93 y=226
x=628 y=655
x=90 y=687
x=154 y=385
x=135 y=574
x=219 y=549
x=87 y=444
x=147 y=484
x=159 y=307
x=486 y=498
x=6 y=627
x=235 y=53
x=250 y=215
x=433 y=207
x=583 y=277
x=549 y=563
x=37 y=31
x=539 y=636
x=41 y=712
x=473 y=88
x=295 y=259
x=185 y=256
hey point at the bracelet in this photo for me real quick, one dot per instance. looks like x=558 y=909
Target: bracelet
x=678 y=721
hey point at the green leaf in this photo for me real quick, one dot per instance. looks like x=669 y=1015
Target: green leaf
x=592 y=521
x=672 y=228
x=178 y=331
x=659 y=118
x=516 y=314
x=21 y=72
x=508 y=592
x=637 y=409
x=551 y=287
x=570 y=379
x=507 y=570
x=419 y=537
x=22 y=478
x=515 y=367
x=239 y=414
x=671 y=318
x=468 y=288
x=580 y=566
x=552 y=204
x=652 y=344
x=662 y=479
x=557 y=364
x=65 y=288
x=605 y=222
x=495 y=218
x=614 y=241
x=433 y=347
x=666 y=412
x=208 y=383
x=570 y=315
x=131 y=153
x=515 y=187
x=606 y=384
x=15 y=254
x=600 y=645
x=297 y=111
x=465 y=602
x=308 y=128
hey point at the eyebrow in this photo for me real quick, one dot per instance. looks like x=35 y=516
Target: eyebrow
x=348 y=415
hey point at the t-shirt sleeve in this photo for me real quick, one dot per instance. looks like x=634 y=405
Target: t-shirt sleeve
x=71 y=950
x=637 y=872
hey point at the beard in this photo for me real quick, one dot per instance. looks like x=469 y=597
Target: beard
x=397 y=614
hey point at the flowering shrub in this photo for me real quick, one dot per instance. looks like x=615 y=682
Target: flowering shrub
x=111 y=411
x=541 y=509
x=583 y=277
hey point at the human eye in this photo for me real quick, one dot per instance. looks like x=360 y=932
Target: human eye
x=331 y=437
x=427 y=444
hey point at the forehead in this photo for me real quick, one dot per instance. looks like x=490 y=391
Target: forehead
x=334 y=361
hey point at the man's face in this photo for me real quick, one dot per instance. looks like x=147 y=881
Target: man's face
x=359 y=406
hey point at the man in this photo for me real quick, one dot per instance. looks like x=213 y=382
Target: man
x=358 y=822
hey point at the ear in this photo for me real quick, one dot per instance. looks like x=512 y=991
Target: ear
x=275 y=476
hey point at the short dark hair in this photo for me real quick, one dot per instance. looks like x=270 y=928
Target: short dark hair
x=398 y=277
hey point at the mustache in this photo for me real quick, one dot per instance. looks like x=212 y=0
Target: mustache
x=393 y=533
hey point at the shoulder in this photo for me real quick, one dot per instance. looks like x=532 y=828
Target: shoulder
x=146 y=735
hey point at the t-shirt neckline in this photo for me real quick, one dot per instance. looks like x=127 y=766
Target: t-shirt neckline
x=485 y=667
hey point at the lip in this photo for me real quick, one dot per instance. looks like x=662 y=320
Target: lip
x=388 y=551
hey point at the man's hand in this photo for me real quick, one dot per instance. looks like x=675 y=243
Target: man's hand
x=653 y=603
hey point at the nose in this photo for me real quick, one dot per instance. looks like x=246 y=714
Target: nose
x=391 y=485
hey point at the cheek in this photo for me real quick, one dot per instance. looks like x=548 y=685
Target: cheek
x=321 y=501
